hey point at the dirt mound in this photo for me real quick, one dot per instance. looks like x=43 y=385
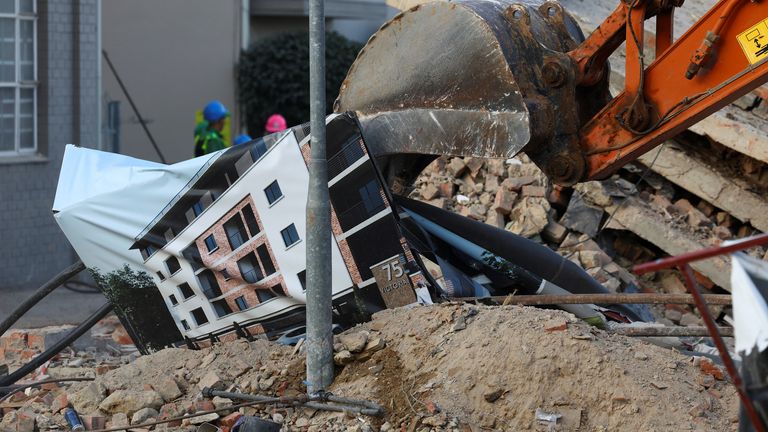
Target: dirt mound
x=510 y=361
x=445 y=367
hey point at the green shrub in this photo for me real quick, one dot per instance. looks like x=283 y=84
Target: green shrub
x=274 y=77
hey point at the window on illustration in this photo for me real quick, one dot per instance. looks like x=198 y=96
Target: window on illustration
x=173 y=265
x=273 y=192
x=210 y=243
x=249 y=268
x=250 y=220
x=235 y=231
x=186 y=290
x=290 y=235
x=199 y=316
x=241 y=303
x=266 y=259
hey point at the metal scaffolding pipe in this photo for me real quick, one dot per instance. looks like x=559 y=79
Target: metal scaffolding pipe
x=319 y=337
x=648 y=331
x=539 y=300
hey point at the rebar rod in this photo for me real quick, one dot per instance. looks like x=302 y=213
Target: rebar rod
x=537 y=300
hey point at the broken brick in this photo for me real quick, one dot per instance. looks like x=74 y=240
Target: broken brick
x=556 y=325
x=707 y=367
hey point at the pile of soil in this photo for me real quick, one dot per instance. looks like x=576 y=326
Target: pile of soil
x=444 y=367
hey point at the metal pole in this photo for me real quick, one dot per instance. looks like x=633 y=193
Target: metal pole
x=319 y=338
x=698 y=331
x=133 y=106
x=709 y=322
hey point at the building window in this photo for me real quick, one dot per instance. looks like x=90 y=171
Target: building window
x=18 y=77
x=273 y=192
x=225 y=274
x=186 y=291
x=147 y=251
x=173 y=300
x=266 y=260
x=241 y=303
x=235 y=231
x=221 y=308
x=210 y=243
x=264 y=295
x=185 y=324
x=192 y=255
x=249 y=268
x=372 y=198
x=302 y=275
x=197 y=208
x=173 y=265
x=250 y=220
x=199 y=316
x=209 y=284
x=290 y=235
x=278 y=289
x=258 y=149
x=160 y=275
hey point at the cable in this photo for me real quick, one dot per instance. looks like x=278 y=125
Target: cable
x=15 y=389
x=57 y=347
x=38 y=295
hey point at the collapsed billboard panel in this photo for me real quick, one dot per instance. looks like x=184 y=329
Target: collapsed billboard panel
x=214 y=247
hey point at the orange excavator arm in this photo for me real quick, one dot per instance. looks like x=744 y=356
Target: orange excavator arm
x=719 y=59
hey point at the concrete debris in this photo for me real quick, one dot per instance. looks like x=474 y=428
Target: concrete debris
x=413 y=362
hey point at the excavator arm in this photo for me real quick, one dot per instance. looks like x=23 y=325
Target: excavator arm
x=494 y=78
x=719 y=59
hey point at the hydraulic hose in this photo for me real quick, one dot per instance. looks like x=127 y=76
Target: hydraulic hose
x=57 y=347
x=40 y=294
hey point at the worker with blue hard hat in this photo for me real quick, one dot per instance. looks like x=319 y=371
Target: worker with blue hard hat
x=242 y=139
x=208 y=137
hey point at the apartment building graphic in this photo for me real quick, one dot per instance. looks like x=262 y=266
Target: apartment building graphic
x=228 y=251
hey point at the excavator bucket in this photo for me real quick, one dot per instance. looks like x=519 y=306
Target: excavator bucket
x=465 y=78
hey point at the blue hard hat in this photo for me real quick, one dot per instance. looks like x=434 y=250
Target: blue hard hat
x=215 y=111
x=242 y=139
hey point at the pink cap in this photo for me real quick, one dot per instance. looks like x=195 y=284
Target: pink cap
x=276 y=123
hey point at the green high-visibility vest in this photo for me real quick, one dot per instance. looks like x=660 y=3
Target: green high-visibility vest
x=207 y=139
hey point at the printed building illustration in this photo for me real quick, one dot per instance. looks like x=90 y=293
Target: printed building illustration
x=229 y=248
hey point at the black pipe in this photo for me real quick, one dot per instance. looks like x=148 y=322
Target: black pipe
x=531 y=256
x=57 y=347
x=40 y=294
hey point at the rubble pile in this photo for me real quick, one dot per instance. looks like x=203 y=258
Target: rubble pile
x=106 y=344
x=604 y=226
x=445 y=367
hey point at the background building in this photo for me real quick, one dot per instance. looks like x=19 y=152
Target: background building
x=176 y=55
x=49 y=96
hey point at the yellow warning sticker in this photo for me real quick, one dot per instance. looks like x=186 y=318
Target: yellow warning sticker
x=754 y=42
